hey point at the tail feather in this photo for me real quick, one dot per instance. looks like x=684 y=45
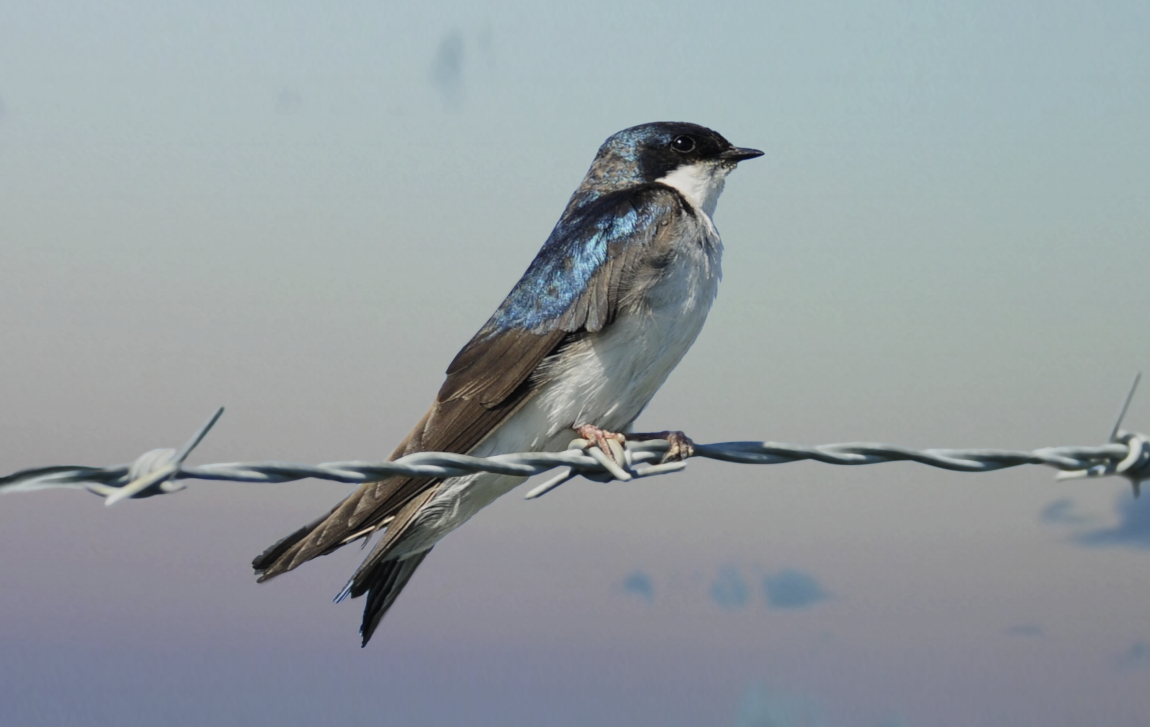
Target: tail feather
x=454 y=423
x=263 y=562
x=384 y=572
x=383 y=584
x=343 y=525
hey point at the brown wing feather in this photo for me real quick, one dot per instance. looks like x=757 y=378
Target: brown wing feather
x=490 y=368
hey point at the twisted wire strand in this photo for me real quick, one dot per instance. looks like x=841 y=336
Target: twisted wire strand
x=159 y=471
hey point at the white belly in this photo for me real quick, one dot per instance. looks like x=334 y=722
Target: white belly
x=605 y=379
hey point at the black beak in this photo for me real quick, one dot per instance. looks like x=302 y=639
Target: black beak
x=739 y=154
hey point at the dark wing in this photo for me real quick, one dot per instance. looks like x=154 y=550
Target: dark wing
x=575 y=285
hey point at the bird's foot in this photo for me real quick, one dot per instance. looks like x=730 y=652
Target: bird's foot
x=601 y=437
x=681 y=445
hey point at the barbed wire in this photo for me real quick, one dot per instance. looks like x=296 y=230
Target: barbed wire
x=159 y=471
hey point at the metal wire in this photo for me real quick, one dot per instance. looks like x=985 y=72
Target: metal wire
x=158 y=471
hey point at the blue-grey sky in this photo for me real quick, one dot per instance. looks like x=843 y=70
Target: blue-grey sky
x=302 y=211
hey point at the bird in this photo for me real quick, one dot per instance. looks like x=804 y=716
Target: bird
x=608 y=307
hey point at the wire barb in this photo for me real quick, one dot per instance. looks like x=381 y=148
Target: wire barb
x=1136 y=465
x=1125 y=407
x=152 y=472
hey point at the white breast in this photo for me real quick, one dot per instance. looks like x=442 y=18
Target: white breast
x=607 y=379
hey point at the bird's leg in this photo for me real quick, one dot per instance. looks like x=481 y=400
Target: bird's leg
x=600 y=437
x=681 y=445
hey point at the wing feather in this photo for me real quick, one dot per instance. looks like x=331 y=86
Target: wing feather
x=576 y=285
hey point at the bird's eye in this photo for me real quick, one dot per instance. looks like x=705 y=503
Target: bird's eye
x=683 y=144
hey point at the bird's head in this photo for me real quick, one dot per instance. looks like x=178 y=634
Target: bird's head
x=693 y=159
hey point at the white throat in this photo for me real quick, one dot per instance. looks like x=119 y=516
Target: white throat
x=701 y=184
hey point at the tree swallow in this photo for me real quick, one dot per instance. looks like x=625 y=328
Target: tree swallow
x=609 y=306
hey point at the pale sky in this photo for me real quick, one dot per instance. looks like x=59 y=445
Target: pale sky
x=302 y=212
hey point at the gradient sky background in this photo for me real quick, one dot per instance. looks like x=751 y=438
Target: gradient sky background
x=302 y=211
